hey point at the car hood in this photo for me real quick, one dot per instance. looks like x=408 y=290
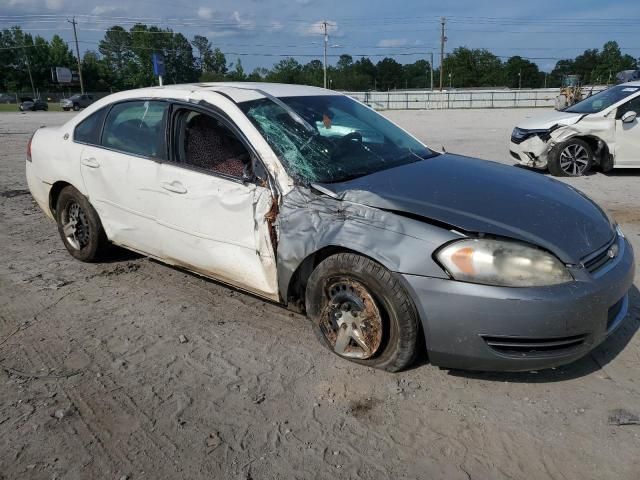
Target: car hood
x=549 y=119
x=478 y=196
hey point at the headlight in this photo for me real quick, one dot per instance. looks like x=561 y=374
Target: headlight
x=503 y=263
x=522 y=134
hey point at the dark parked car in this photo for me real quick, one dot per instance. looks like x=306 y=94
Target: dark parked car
x=76 y=102
x=29 y=104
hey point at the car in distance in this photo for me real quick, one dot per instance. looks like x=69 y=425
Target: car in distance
x=29 y=104
x=602 y=130
x=76 y=102
x=309 y=198
x=6 y=98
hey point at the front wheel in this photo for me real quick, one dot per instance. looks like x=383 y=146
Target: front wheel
x=79 y=226
x=362 y=313
x=572 y=158
x=76 y=107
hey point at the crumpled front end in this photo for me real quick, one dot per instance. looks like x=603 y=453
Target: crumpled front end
x=535 y=148
x=532 y=152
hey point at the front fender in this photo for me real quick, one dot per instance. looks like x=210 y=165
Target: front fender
x=308 y=223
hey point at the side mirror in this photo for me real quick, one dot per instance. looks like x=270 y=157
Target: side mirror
x=629 y=117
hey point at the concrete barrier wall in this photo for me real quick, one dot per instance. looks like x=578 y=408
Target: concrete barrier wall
x=433 y=100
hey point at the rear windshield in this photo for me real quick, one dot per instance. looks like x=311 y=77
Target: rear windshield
x=598 y=102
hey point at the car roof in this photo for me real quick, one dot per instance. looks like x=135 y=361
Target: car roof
x=236 y=91
x=635 y=83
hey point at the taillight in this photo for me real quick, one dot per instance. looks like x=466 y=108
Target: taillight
x=29 y=148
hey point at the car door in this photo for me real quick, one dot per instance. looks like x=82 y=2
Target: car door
x=120 y=172
x=627 y=150
x=211 y=220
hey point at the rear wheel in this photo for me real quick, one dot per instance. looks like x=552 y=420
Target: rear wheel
x=79 y=226
x=572 y=158
x=362 y=313
x=76 y=107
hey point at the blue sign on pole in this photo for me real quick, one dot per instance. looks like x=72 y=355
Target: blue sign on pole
x=158 y=65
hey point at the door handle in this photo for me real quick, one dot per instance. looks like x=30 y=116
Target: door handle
x=90 y=162
x=175 y=187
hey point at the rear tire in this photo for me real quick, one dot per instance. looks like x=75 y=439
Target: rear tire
x=362 y=313
x=572 y=158
x=76 y=107
x=79 y=226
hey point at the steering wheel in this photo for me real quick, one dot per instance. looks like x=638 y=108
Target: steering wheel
x=355 y=135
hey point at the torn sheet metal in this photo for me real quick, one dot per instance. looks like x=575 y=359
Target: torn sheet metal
x=310 y=221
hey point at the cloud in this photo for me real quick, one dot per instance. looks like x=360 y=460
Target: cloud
x=205 y=13
x=392 y=42
x=275 y=26
x=317 y=28
x=106 y=9
x=54 y=4
x=242 y=23
x=235 y=24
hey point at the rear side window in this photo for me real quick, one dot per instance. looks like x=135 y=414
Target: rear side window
x=88 y=130
x=138 y=128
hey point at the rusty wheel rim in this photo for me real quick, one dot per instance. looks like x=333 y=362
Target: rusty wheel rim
x=351 y=321
x=75 y=226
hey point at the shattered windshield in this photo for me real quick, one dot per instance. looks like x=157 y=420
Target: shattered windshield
x=598 y=102
x=331 y=138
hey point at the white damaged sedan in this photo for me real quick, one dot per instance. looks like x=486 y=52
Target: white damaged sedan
x=602 y=130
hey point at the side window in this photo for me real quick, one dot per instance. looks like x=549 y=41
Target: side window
x=88 y=130
x=632 y=105
x=204 y=142
x=137 y=127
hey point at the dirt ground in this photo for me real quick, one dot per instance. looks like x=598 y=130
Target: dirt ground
x=97 y=384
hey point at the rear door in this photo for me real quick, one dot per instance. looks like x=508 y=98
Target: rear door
x=213 y=215
x=627 y=151
x=121 y=172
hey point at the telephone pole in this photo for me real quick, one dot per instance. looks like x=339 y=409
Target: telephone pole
x=75 y=35
x=326 y=41
x=431 y=68
x=443 y=39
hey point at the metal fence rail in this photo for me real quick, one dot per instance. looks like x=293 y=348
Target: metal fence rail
x=436 y=100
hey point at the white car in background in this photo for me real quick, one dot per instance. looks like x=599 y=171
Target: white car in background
x=601 y=130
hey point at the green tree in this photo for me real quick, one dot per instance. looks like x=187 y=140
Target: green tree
x=287 y=70
x=116 y=52
x=389 y=74
x=472 y=68
x=521 y=72
x=203 y=47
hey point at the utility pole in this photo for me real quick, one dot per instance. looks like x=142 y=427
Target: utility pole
x=26 y=59
x=75 y=35
x=443 y=39
x=431 y=68
x=520 y=80
x=326 y=41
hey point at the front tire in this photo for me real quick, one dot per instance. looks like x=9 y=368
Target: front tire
x=79 y=226
x=572 y=158
x=362 y=313
x=76 y=107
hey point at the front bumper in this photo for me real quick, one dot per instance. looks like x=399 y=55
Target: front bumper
x=532 y=152
x=480 y=327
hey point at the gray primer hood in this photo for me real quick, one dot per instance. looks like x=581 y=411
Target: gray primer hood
x=486 y=197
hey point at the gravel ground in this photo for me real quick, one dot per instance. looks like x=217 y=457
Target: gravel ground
x=96 y=382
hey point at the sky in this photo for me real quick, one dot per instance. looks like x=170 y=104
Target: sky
x=261 y=32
